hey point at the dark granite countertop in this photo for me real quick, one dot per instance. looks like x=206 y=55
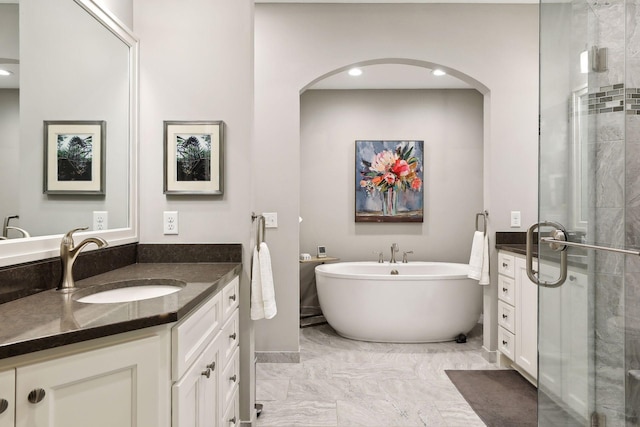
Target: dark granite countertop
x=517 y=248
x=52 y=319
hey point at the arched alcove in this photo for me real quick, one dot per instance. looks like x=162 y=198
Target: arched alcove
x=450 y=123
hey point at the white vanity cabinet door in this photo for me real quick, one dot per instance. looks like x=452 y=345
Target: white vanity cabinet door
x=112 y=386
x=7 y=393
x=195 y=398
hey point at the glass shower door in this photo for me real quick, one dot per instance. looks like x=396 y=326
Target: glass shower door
x=583 y=188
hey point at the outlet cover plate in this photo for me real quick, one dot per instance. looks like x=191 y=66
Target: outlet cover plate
x=100 y=220
x=170 y=222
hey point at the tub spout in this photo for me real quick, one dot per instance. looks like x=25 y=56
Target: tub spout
x=394 y=249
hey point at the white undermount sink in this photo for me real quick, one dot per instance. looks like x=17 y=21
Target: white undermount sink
x=128 y=291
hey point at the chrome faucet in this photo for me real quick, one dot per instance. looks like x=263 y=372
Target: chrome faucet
x=69 y=253
x=394 y=249
x=404 y=256
x=380 y=257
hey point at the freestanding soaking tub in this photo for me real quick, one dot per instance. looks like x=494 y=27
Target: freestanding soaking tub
x=402 y=303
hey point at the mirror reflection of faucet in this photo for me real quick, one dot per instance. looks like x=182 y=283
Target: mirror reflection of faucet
x=69 y=253
x=6 y=227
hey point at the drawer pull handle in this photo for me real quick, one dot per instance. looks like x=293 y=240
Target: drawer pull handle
x=36 y=395
x=572 y=278
x=212 y=366
x=232 y=420
x=505 y=290
x=504 y=342
x=232 y=297
x=505 y=265
x=233 y=378
x=4 y=404
x=233 y=336
x=207 y=373
x=504 y=316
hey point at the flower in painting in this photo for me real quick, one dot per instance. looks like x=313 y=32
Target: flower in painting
x=392 y=169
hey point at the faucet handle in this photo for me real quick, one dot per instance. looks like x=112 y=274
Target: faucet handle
x=404 y=256
x=68 y=238
x=380 y=257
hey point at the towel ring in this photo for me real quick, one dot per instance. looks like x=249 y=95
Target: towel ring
x=260 y=232
x=484 y=214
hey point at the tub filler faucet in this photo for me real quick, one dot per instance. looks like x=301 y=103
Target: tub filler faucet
x=394 y=249
x=69 y=253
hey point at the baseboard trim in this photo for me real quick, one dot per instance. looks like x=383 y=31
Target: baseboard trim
x=489 y=356
x=277 y=356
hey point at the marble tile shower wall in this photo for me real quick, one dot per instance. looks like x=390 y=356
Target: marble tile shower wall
x=614 y=153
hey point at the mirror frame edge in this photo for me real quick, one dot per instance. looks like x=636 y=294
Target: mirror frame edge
x=31 y=249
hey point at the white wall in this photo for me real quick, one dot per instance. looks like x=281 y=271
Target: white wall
x=450 y=124
x=496 y=45
x=196 y=63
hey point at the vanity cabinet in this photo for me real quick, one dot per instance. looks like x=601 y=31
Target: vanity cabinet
x=205 y=363
x=517 y=315
x=181 y=374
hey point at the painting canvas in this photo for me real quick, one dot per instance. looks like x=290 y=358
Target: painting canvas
x=193 y=157
x=74 y=157
x=389 y=181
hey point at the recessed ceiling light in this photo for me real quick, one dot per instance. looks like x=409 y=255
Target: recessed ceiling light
x=5 y=72
x=438 y=72
x=355 y=72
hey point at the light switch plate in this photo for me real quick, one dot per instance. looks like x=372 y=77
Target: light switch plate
x=270 y=219
x=515 y=219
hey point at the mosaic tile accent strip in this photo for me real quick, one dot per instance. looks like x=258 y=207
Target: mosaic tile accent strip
x=607 y=99
x=633 y=101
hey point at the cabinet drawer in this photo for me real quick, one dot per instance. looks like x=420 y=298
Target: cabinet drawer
x=506 y=264
x=192 y=335
x=506 y=343
x=229 y=338
x=229 y=379
x=506 y=289
x=230 y=298
x=506 y=316
x=231 y=417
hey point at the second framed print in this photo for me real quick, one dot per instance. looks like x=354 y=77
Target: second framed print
x=193 y=157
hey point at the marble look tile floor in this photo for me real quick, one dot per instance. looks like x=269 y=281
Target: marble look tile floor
x=342 y=382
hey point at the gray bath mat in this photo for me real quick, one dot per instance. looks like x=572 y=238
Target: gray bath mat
x=501 y=398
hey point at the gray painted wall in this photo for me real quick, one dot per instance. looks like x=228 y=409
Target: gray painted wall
x=494 y=46
x=450 y=124
x=9 y=151
x=202 y=72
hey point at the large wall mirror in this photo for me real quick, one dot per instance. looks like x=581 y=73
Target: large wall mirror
x=71 y=63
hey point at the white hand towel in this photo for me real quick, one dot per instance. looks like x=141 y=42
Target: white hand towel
x=263 y=298
x=479 y=259
x=266 y=277
x=257 y=307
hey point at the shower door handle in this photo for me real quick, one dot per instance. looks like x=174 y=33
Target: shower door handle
x=557 y=243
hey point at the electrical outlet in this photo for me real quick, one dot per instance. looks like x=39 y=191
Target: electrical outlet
x=100 y=220
x=170 y=223
x=270 y=219
x=515 y=219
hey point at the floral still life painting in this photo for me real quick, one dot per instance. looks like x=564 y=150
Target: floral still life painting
x=389 y=181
